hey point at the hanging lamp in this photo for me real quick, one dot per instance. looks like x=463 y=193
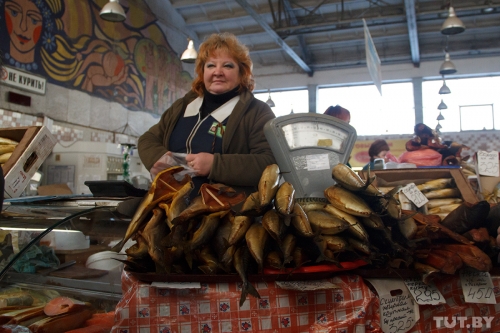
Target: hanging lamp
x=269 y=100
x=452 y=25
x=442 y=106
x=447 y=67
x=438 y=127
x=113 y=11
x=444 y=89
x=189 y=55
x=440 y=117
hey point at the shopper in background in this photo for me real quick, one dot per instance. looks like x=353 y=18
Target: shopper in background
x=378 y=149
x=219 y=123
x=339 y=112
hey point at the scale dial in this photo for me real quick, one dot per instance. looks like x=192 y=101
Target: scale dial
x=314 y=134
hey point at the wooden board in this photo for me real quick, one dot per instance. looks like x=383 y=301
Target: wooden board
x=79 y=272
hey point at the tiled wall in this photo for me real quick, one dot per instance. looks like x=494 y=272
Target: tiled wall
x=475 y=140
x=62 y=132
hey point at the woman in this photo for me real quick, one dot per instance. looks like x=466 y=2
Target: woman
x=378 y=149
x=219 y=123
x=339 y=112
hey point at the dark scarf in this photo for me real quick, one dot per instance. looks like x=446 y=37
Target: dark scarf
x=212 y=102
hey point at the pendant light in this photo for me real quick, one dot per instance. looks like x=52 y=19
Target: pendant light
x=442 y=106
x=447 y=67
x=113 y=11
x=444 y=89
x=452 y=25
x=269 y=100
x=440 y=117
x=438 y=127
x=189 y=56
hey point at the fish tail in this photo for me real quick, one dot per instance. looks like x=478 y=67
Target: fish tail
x=248 y=288
x=118 y=247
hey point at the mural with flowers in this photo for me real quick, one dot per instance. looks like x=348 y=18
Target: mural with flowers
x=67 y=42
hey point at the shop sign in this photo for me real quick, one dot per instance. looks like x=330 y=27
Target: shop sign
x=23 y=80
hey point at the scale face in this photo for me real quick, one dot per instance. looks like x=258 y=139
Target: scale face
x=307 y=146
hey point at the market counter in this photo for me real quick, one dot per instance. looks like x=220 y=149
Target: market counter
x=348 y=306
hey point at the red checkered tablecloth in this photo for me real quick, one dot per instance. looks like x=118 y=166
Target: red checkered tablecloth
x=215 y=308
x=352 y=307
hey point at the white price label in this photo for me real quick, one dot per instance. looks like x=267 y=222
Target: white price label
x=398 y=311
x=318 y=162
x=176 y=285
x=477 y=286
x=487 y=163
x=414 y=195
x=424 y=293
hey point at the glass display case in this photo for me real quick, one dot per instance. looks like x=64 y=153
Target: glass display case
x=60 y=246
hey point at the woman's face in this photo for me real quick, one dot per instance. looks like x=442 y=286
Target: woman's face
x=383 y=154
x=24 y=24
x=221 y=73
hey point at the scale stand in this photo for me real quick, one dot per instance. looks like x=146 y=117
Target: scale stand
x=307 y=146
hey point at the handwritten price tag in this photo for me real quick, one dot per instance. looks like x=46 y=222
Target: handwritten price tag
x=487 y=163
x=423 y=293
x=398 y=310
x=414 y=195
x=477 y=286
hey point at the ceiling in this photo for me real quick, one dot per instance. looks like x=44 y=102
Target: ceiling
x=308 y=36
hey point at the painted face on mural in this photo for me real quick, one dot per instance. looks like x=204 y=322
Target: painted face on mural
x=221 y=73
x=24 y=25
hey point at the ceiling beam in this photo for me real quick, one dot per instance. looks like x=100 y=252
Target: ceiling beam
x=276 y=38
x=302 y=43
x=411 y=18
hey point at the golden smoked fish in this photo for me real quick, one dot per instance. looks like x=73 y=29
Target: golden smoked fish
x=256 y=238
x=347 y=201
x=268 y=184
x=284 y=201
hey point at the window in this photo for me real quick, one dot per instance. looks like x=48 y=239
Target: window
x=372 y=114
x=470 y=106
x=285 y=101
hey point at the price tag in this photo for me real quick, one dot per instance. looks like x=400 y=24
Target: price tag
x=414 y=195
x=318 y=162
x=477 y=286
x=424 y=293
x=487 y=163
x=176 y=285
x=398 y=311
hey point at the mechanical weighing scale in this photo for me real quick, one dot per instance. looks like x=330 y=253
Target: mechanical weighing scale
x=307 y=146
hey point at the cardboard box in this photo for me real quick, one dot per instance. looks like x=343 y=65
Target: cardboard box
x=35 y=145
x=394 y=177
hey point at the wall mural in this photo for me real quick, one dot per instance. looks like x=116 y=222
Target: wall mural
x=68 y=43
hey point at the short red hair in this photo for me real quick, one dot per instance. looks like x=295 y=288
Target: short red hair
x=226 y=43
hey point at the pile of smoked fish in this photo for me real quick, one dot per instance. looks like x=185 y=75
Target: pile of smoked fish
x=271 y=228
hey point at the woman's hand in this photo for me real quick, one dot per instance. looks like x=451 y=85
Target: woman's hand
x=201 y=163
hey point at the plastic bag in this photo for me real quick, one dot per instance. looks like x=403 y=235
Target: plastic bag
x=173 y=159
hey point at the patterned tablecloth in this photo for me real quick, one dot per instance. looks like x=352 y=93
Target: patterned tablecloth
x=349 y=307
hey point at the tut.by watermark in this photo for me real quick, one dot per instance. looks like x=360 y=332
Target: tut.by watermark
x=463 y=322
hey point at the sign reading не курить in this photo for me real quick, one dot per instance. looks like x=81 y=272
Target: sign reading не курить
x=22 y=80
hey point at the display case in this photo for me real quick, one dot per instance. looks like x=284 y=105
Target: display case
x=60 y=246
